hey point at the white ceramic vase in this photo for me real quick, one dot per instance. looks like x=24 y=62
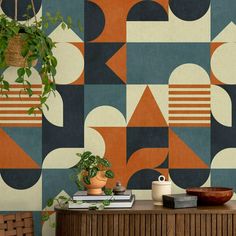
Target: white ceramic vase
x=159 y=188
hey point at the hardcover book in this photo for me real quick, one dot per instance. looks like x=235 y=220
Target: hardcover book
x=113 y=204
x=82 y=196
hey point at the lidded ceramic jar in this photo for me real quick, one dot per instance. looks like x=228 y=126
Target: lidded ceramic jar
x=159 y=188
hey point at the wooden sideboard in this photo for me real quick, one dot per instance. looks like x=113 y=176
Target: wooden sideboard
x=146 y=219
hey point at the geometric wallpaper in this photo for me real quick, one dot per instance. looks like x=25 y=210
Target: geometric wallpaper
x=149 y=84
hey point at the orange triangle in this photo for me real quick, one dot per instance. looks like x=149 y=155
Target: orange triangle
x=181 y=156
x=147 y=112
x=214 y=46
x=12 y=156
x=214 y=80
x=118 y=63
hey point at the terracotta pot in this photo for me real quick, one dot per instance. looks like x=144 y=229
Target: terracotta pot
x=13 y=52
x=97 y=183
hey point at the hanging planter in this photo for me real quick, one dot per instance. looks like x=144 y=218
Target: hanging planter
x=13 y=56
x=23 y=45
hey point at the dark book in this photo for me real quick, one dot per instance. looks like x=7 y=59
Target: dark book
x=179 y=201
x=82 y=196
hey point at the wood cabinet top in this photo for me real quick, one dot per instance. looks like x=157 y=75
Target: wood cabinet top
x=147 y=207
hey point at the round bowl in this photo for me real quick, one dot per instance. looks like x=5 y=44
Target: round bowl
x=211 y=195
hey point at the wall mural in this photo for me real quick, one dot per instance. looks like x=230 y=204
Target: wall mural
x=149 y=84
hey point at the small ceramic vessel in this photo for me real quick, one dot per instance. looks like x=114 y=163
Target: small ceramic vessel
x=159 y=188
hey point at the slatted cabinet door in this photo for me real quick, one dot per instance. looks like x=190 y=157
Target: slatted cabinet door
x=144 y=219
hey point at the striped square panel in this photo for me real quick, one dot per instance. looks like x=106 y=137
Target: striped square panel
x=189 y=105
x=14 y=105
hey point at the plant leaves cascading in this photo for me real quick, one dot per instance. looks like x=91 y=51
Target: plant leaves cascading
x=37 y=46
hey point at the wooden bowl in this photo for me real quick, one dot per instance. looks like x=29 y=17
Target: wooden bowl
x=211 y=195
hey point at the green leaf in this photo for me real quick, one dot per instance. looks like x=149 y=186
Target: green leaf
x=50 y=202
x=19 y=80
x=31 y=110
x=53 y=86
x=108 y=191
x=43 y=99
x=105 y=162
x=63 y=25
x=69 y=21
x=29 y=91
x=24 y=51
x=109 y=174
x=6 y=85
x=63 y=198
x=54 y=61
x=53 y=70
x=79 y=185
x=46 y=25
x=106 y=202
x=45 y=216
x=21 y=72
x=93 y=207
x=28 y=72
x=46 y=106
x=86 y=155
x=92 y=172
x=86 y=180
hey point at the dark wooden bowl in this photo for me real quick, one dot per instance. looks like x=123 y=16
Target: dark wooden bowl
x=211 y=195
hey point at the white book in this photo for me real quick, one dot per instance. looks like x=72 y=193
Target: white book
x=82 y=196
x=113 y=204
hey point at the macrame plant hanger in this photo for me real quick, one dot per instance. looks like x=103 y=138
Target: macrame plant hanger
x=13 y=53
x=16 y=9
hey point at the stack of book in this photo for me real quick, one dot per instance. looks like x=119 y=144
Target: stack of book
x=82 y=200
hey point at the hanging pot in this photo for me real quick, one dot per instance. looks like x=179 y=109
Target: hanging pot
x=13 y=55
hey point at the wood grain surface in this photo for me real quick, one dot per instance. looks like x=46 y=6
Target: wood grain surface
x=145 y=219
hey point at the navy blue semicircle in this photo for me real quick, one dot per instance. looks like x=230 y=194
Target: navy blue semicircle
x=189 y=10
x=8 y=7
x=142 y=179
x=147 y=11
x=187 y=178
x=20 y=178
x=94 y=21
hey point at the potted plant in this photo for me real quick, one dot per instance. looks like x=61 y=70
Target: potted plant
x=92 y=172
x=24 y=45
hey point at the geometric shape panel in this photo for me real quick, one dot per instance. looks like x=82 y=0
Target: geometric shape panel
x=8 y=7
x=104 y=95
x=189 y=10
x=187 y=178
x=224 y=177
x=72 y=132
x=198 y=139
x=147 y=11
x=181 y=155
x=13 y=156
x=142 y=179
x=144 y=66
x=148 y=137
x=72 y=8
x=147 y=113
x=222 y=13
x=56 y=180
x=96 y=69
x=94 y=21
x=20 y=178
x=29 y=139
